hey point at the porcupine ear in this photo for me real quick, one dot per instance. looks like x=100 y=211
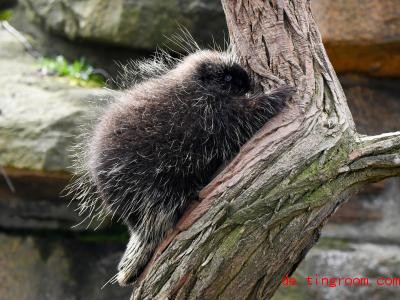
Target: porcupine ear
x=206 y=72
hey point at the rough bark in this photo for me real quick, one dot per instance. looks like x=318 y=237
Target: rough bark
x=261 y=214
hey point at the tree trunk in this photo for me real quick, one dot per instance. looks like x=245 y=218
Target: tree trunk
x=259 y=217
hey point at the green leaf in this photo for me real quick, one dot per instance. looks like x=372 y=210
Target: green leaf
x=79 y=71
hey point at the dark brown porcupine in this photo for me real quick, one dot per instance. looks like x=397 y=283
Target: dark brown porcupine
x=163 y=139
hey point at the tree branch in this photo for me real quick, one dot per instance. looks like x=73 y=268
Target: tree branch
x=383 y=144
x=260 y=215
x=373 y=153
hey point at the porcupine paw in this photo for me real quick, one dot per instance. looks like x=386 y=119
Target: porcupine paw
x=134 y=260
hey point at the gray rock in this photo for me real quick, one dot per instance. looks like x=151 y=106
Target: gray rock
x=140 y=24
x=374 y=102
x=383 y=228
x=338 y=259
x=40 y=257
x=36 y=202
x=361 y=36
x=39 y=121
x=53 y=267
x=39 y=114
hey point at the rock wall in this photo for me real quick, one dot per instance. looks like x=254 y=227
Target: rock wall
x=139 y=24
x=43 y=257
x=361 y=36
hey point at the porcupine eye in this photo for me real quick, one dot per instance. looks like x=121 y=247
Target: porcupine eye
x=228 y=77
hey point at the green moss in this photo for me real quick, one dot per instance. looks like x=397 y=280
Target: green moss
x=79 y=72
x=324 y=170
x=326 y=165
x=230 y=242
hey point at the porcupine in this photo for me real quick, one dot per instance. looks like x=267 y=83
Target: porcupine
x=163 y=139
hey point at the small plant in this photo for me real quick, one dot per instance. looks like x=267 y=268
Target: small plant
x=5 y=15
x=79 y=71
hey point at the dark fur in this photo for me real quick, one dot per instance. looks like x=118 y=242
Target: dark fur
x=164 y=139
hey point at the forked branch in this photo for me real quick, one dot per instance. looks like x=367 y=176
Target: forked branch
x=260 y=215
